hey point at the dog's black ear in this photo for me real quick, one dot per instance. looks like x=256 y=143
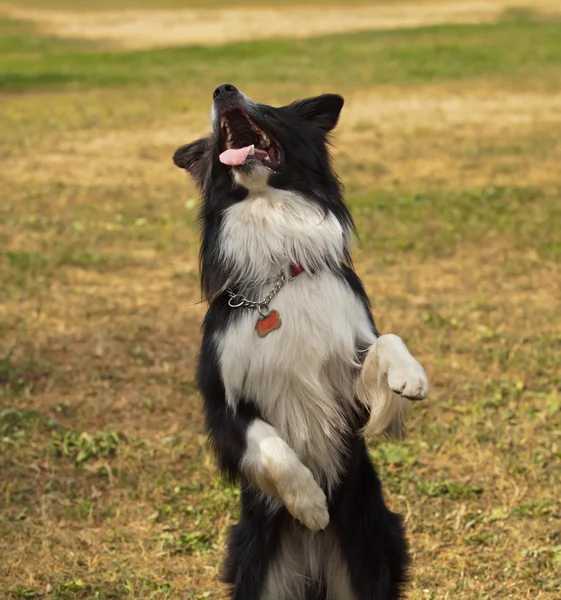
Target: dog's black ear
x=323 y=111
x=191 y=158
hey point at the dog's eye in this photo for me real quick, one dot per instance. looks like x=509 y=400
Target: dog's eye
x=268 y=114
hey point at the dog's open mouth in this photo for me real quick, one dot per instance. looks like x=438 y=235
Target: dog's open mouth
x=245 y=141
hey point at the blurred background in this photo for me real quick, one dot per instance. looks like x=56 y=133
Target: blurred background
x=449 y=146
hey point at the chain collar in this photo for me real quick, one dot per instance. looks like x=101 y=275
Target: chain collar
x=262 y=306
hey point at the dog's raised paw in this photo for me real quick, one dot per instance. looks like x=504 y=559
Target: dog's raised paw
x=307 y=503
x=409 y=380
x=403 y=373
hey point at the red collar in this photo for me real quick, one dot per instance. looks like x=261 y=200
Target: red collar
x=296 y=269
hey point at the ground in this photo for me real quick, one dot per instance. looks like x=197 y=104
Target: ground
x=449 y=146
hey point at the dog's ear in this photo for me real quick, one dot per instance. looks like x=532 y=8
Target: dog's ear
x=323 y=111
x=191 y=158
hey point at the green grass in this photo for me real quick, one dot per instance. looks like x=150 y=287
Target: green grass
x=437 y=223
x=432 y=54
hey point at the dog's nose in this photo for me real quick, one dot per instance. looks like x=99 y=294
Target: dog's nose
x=225 y=92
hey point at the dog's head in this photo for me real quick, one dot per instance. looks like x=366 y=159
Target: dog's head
x=255 y=144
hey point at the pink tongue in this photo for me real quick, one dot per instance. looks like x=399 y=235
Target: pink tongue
x=235 y=156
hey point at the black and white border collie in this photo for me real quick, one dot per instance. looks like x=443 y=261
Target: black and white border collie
x=292 y=370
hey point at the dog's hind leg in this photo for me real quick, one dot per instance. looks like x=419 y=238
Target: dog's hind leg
x=270 y=556
x=335 y=567
x=252 y=546
x=295 y=573
x=368 y=548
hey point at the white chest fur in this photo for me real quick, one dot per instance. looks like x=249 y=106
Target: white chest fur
x=301 y=375
x=273 y=228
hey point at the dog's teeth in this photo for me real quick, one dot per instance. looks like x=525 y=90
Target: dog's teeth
x=229 y=139
x=223 y=122
x=252 y=151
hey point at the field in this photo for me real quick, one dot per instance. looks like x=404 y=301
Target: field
x=449 y=147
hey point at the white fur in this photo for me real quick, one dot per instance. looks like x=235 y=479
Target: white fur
x=389 y=378
x=336 y=569
x=273 y=228
x=278 y=472
x=302 y=375
x=304 y=556
x=255 y=179
x=297 y=561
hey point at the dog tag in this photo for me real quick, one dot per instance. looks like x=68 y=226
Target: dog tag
x=268 y=323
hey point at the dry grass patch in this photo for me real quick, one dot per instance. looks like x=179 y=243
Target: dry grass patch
x=470 y=108
x=463 y=136
x=84 y=158
x=135 y=29
x=467 y=136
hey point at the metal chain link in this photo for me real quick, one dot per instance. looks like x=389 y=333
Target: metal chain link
x=237 y=300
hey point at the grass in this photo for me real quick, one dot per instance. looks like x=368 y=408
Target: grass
x=448 y=146
x=92 y=5
x=432 y=54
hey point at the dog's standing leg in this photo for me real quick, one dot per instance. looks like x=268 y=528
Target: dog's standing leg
x=252 y=544
x=365 y=549
x=335 y=567
x=365 y=546
x=250 y=449
x=269 y=557
x=295 y=569
x=390 y=378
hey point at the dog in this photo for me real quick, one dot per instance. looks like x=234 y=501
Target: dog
x=292 y=370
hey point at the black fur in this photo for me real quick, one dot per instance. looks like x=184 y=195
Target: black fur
x=371 y=537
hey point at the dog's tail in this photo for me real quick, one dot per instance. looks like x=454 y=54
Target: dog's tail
x=388 y=410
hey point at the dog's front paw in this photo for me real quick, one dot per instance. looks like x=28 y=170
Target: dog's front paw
x=281 y=473
x=404 y=374
x=408 y=380
x=305 y=501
